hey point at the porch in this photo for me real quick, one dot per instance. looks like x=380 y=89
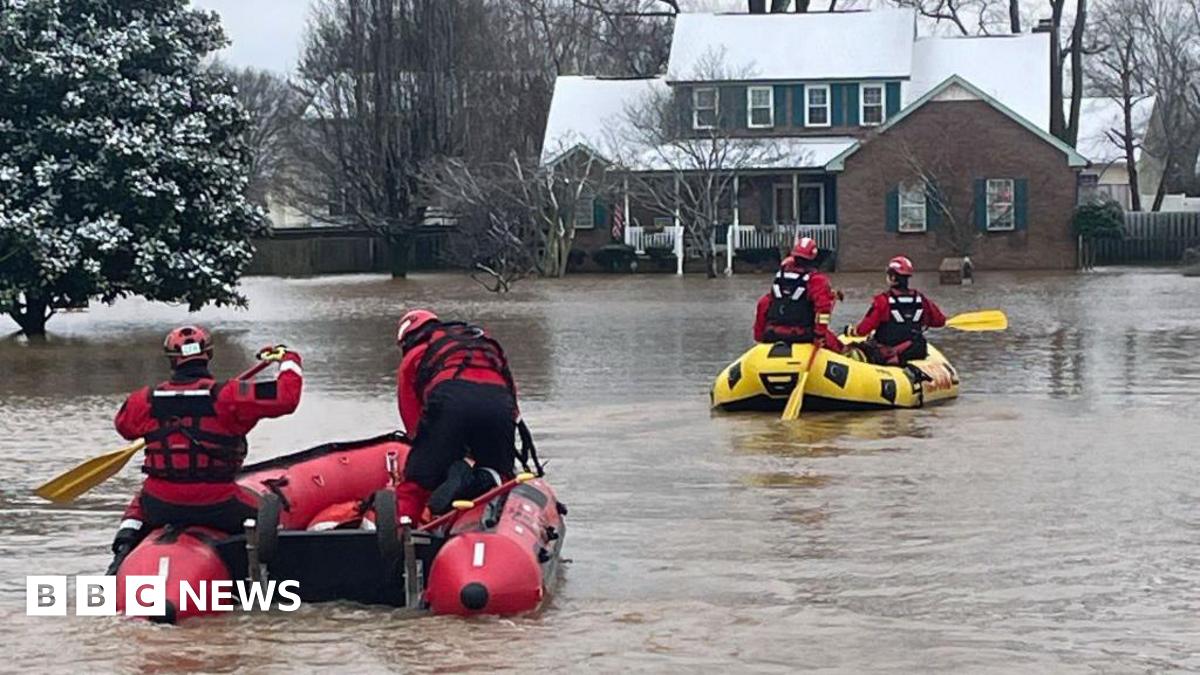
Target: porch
x=767 y=212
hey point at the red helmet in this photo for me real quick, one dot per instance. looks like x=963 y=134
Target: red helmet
x=805 y=248
x=411 y=322
x=900 y=266
x=188 y=343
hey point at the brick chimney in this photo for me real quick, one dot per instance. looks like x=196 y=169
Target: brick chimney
x=1044 y=26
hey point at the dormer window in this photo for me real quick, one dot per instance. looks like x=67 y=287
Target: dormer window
x=816 y=110
x=871 y=112
x=760 y=102
x=704 y=107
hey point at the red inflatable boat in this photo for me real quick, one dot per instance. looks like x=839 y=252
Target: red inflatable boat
x=316 y=526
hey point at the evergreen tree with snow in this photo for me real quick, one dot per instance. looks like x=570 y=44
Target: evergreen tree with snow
x=123 y=169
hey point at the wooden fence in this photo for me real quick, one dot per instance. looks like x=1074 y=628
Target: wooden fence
x=1149 y=238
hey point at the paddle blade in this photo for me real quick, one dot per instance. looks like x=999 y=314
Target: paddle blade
x=988 y=319
x=68 y=486
x=796 y=401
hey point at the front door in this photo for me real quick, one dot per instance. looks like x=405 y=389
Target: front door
x=812 y=203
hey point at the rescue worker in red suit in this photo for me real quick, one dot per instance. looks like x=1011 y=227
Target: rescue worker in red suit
x=800 y=303
x=457 y=401
x=195 y=432
x=899 y=318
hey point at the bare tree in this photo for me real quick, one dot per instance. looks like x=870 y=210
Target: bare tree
x=1118 y=73
x=274 y=108
x=521 y=203
x=495 y=236
x=685 y=172
x=1170 y=37
x=381 y=87
x=933 y=172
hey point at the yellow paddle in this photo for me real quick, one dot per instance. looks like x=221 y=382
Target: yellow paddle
x=796 y=401
x=988 y=319
x=69 y=485
x=88 y=475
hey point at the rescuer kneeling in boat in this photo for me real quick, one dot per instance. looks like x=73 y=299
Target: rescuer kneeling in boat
x=799 y=305
x=458 y=402
x=195 y=431
x=899 y=317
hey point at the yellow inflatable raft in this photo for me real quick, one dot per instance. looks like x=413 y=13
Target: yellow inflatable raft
x=763 y=379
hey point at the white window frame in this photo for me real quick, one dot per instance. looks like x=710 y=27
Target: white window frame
x=716 y=107
x=907 y=190
x=862 y=103
x=821 y=201
x=1012 y=205
x=750 y=107
x=808 y=106
x=590 y=200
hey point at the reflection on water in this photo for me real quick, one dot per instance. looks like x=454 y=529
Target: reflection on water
x=1043 y=522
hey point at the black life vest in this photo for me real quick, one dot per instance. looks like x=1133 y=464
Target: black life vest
x=904 y=323
x=185 y=414
x=454 y=347
x=791 y=314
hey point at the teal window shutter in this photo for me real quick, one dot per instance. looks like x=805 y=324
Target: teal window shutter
x=933 y=213
x=798 y=104
x=981 y=204
x=599 y=213
x=1021 y=203
x=852 y=105
x=892 y=95
x=892 y=210
x=733 y=108
x=837 y=102
x=780 y=95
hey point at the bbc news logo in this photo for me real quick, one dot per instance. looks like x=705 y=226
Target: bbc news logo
x=147 y=596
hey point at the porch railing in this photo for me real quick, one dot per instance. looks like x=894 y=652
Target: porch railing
x=642 y=238
x=747 y=237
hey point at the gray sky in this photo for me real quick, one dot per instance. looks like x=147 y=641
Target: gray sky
x=267 y=33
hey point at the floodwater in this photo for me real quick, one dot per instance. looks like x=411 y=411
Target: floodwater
x=1045 y=521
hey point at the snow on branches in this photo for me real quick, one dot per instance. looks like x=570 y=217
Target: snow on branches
x=123 y=169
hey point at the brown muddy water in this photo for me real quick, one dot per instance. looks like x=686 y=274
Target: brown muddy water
x=1046 y=521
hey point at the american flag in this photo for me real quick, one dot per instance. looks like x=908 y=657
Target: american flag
x=618 y=223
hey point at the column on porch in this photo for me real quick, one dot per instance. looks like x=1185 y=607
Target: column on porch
x=731 y=238
x=678 y=231
x=628 y=220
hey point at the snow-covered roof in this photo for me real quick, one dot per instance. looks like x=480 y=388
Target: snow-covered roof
x=793 y=46
x=784 y=153
x=591 y=111
x=1014 y=70
x=1097 y=116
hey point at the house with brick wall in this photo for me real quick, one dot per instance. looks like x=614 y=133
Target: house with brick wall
x=884 y=142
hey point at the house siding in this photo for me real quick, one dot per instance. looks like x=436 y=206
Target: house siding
x=966 y=141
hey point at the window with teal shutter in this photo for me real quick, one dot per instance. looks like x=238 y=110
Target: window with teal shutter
x=599 y=214
x=1021 y=206
x=892 y=210
x=733 y=108
x=980 y=204
x=893 y=98
x=933 y=207
x=852 y=105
